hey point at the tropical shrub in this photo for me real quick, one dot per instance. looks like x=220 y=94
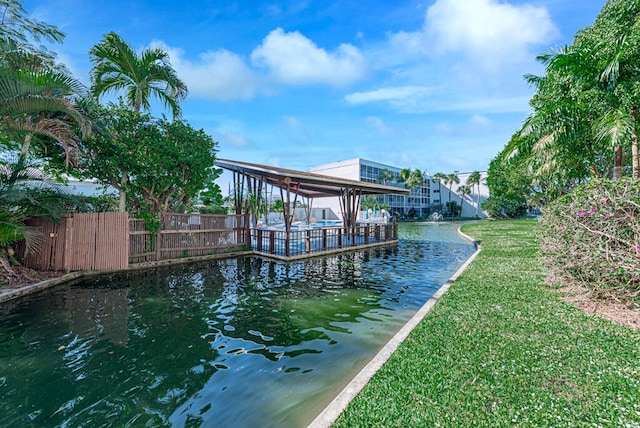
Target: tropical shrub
x=591 y=238
x=503 y=207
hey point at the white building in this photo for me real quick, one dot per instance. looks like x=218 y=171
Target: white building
x=425 y=199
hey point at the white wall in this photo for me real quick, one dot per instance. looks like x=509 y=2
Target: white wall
x=471 y=201
x=349 y=169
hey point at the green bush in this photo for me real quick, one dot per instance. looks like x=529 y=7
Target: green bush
x=502 y=207
x=213 y=209
x=591 y=238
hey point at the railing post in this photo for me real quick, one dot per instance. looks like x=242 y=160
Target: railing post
x=307 y=242
x=272 y=242
x=247 y=229
x=340 y=238
x=259 y=239
x=287 y=242
x=366 y=234
x=324 y=240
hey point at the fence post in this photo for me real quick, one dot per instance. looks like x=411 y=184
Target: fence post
x=157 y=238
x=67 y=259
x=259 y=239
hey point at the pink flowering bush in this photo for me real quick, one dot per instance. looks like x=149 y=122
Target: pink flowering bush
x=591 y=237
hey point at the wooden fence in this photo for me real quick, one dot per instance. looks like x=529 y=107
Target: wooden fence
x=111 y=241
x=95 y=241
x=186 y=235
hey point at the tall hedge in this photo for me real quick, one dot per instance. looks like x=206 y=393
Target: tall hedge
x=591 y=238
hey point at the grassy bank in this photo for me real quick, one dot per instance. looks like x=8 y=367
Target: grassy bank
x=501 y=349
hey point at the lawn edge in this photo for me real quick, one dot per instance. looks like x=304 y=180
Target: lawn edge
x=332 y=411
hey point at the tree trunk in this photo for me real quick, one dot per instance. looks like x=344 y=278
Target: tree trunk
x=617 y=163
x=634 y=157
x=25 y=146
x=122 y=204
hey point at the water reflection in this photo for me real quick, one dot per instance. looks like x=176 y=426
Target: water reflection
x=239 y=342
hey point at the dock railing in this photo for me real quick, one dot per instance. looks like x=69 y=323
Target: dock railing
x=311 y=240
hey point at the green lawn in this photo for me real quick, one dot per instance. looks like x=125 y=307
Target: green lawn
x=501 y=349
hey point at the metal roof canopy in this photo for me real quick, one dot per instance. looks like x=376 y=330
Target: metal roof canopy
x=307 y=184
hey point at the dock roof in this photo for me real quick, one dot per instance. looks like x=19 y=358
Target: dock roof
x=306 y=184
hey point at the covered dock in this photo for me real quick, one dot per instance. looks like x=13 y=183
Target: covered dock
x=253 y=184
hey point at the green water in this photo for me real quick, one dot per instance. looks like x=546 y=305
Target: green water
x=242 y=342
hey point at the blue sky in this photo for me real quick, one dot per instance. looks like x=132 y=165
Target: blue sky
x=433 y=85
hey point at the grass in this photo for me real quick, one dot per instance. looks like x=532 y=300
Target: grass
x=501 y=349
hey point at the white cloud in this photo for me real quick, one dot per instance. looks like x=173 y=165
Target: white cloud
x=490 y=32
x=295 y=130
x=475 y=125
x=388 y=94
x=219 y=74
x=417 y=100
x=444 y=128
x=230 y=134
x=295 y=123
x=479 y=122
x=380 y=126
x=293 y=59
x=67 y=61
x=487 y=105
x=231 y=138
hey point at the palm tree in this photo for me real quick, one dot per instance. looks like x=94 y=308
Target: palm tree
x=439 y=178
x=37 y=97
x=617 y=127
x=42 y=101
x=402 y=178
x=474 y=180
x=449 y=180
x=411 y=179
x=414 y=181
x=561 y=127
x=605 y=68
x=463 y=191
x=24 y=193
x=385 y=176
x=117 y=67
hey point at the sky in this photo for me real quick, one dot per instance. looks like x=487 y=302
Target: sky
x=430 y=85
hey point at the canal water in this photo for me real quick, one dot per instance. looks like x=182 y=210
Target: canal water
x=244 y=342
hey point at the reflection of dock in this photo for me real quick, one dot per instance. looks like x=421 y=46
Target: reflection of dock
x=309 y=240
